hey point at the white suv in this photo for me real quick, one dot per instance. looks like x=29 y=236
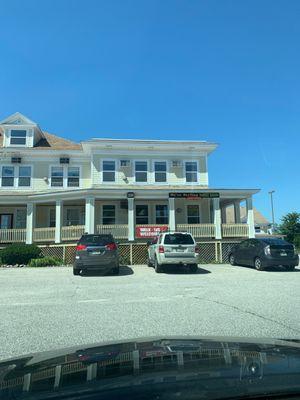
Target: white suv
x=173 y=248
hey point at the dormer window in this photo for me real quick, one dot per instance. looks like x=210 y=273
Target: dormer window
x=18 y=137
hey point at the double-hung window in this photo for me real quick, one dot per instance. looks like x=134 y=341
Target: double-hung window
x=108 y=171
x=73 y=176
x=65 y=176
x=7 y=176
x=108 y=214
x=57 y=176
x=191 y=171
x=193 y=214
x=141 y=214
x=73 y=216
x=18 y=137
x=160 y=171
x=141 y=171
x=161 y=214
x=24 y=178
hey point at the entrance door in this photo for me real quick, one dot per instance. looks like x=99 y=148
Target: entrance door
x=6 y=221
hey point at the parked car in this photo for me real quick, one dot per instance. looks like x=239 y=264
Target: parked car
x=263 y=253
x=178 y=248
x=97 y=253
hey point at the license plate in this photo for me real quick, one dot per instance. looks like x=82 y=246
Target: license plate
x=96 y=252
x=180 y=250
x=283 y=254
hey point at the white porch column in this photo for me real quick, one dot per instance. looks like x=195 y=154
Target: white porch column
x=223 y=215
x=90 y=215
x=250 y=217
x=30 y=222
x=131 y=222
x=237 y=211
x=217 y=218
x=172 y=221
x=58 y=220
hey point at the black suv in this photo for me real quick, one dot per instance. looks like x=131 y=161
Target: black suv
x=98 y=253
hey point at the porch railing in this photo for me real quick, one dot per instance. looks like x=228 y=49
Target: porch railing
x=118 y=231
x=43 y=234
x=235 y=230
x=12 y=235
x=72 y=232
x=198 y=230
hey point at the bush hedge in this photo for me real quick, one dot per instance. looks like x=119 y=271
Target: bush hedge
x=45 y=262
x=19 y=253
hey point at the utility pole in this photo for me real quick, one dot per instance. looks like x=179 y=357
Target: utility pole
x=272 y=207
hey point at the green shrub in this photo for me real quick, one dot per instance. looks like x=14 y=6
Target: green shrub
x=45 y=262
x=19 y=253
x=297 y=242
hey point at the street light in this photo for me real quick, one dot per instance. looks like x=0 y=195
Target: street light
x=272 y=207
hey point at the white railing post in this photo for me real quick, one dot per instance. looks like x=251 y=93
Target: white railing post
x=217 y=218
x=58 y=220
x=90 y=215
x=172 y=221
x=30 y=220
x=131 y=219
x=237 y=211
x=250 y=217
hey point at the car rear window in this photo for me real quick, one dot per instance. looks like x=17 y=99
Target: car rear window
x=276 y=242
x=178 y=238
x=100 y=240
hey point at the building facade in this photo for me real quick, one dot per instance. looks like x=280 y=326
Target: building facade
x=53 y=189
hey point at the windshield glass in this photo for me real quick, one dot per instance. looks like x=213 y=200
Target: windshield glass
x=100 y=240
x=178 y=238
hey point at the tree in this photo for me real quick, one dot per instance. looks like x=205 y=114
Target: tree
x=290 y=227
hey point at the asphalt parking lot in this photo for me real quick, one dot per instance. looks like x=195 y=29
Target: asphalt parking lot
x=48 y=308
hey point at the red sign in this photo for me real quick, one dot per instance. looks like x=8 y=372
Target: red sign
x=146 y=231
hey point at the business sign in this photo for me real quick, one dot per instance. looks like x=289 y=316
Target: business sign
x=146 y=231
x=192 y=195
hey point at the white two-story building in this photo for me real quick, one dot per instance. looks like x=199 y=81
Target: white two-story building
x=53 y=189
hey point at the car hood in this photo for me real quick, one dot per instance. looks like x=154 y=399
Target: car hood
x=124 y=363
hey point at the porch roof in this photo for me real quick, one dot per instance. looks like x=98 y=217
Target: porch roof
x=119 y=192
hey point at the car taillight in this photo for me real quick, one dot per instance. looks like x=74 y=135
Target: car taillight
x=111 y=246
x=81 y=247
x=161 y=249
x=197 y=249
x=267 y=250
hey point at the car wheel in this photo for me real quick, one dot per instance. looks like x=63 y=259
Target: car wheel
x=157 y=266
x=290 y=268
x=149 y=263
x=232 y=259
x=76 y=271
x=116 y=270
x=258 y=264
x=194 y=268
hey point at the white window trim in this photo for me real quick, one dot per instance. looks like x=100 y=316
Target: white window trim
x=199 y=208
x=116 y=171
x=17 y=145
x=167 y=172
x=198 y=172
x=16 y=177
x=65 y=176
x=134 y=171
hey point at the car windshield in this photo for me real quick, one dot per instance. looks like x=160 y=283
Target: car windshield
x=178 y=238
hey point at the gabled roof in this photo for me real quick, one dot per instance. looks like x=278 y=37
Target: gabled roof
x=259 y=219
x=50 y=142
x=17 y=119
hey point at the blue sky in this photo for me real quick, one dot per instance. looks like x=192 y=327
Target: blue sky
x=222 y=71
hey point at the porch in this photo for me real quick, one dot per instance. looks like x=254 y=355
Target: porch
x=127 y=219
